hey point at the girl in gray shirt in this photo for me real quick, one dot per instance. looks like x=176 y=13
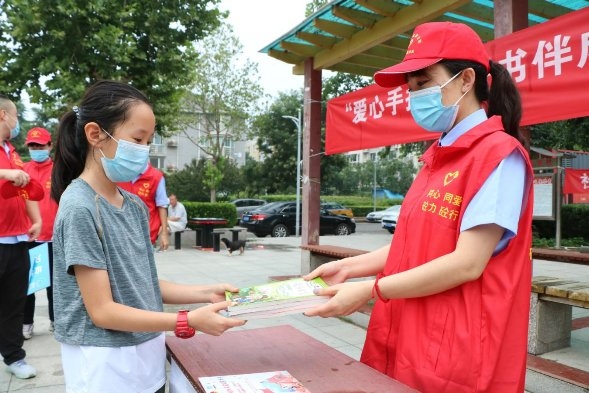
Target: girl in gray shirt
x=108 y=299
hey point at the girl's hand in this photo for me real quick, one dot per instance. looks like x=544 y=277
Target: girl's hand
x=217 y=292
x=207 y=319
x=332 y=273
x=346 y=298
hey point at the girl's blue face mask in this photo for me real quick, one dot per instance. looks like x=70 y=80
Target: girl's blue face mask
x=129 y=162
x=429 y=112
x=39 y=155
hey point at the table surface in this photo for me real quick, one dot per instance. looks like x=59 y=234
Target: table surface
x=207 y=220
x=319 y=367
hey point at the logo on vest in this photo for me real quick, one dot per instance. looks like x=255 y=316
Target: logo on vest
x=450 y=176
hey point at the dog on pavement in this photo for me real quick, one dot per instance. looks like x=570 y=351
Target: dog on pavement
x=234 y=246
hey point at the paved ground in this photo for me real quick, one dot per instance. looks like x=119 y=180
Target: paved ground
x=262 y=258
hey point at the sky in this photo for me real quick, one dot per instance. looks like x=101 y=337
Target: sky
x=258 y=23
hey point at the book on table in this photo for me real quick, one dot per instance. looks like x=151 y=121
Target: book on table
x=266 y=382
x=275 y=298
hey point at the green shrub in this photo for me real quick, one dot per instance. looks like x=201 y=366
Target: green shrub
x=573 y=226
x=209 y=210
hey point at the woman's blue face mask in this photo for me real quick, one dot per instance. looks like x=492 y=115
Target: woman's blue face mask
x=429 y=112
x=129 y=162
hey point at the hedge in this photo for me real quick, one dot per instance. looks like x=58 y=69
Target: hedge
x=574 y=219
x=209 y=210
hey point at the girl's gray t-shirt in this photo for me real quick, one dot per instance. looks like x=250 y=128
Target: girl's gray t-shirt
x=90 y=231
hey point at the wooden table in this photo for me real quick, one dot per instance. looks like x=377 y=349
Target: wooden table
x=206 y=225
x=317 y=366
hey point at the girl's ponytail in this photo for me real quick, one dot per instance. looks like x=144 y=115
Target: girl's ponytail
x=71 y=148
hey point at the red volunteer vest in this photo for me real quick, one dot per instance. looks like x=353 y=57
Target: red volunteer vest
x=145 y=187
x=13 y=214
x=41 y=171
x=472 y=338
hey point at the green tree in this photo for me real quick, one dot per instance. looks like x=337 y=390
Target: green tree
x=187 y=183
x=277 y=141
x=55 y=48
x=314 y=5
x=221 y=101
x=572 y=134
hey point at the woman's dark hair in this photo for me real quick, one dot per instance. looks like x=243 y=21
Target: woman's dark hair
x=105 y=103
x=503 y=98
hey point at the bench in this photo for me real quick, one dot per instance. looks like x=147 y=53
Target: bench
x=315 y=255
x=551 y=303
x=217 y=232
x=580 y=257
x=178 y=238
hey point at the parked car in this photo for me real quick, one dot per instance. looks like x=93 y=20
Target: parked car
x=376 y=216
x=278 y=219
x=389 y=220
x=337 y=208
x=245 y=205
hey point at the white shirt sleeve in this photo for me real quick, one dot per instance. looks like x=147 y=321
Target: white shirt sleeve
x=500 y=199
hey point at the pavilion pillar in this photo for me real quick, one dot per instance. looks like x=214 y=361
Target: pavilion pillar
x=311 y=184
x=511 y=16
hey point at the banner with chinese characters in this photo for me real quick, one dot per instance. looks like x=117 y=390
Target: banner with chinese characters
x=576 y=181
x=549 y=63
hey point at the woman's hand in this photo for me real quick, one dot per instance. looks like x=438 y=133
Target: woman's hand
x=207 y=319
x=346 y=298
x=332 y=273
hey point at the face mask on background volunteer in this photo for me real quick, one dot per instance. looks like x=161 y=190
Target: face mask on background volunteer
x=130 y=160
x=428 y=110
x=39 y=155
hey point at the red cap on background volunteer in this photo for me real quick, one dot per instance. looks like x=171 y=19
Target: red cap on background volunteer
x=38 y=135
x=431 y=43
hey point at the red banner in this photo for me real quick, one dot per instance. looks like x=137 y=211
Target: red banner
x=576 y=181
x=549 y=63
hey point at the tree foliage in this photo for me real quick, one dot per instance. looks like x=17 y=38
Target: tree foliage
x=572 y=134
x=277 y=143
x=189 y=184
x=221 y=100
x=54 y=49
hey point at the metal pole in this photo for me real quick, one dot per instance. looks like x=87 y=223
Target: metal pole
x=299 y=132
x=374 y=187
x=298 y=122
x=558 y=201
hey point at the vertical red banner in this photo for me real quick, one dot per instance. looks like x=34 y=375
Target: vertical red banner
x=576 y=181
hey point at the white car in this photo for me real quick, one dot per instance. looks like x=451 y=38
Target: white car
x=389 y=220
x=376 y=216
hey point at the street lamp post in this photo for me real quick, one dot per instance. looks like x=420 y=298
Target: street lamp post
x=298 y=123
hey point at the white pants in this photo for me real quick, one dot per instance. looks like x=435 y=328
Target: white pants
x=176 y=226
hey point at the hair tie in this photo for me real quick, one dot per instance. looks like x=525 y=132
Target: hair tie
x=76 y=110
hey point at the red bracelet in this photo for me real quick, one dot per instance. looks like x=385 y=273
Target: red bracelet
x=376 y=289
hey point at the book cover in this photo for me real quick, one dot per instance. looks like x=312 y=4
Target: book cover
x=267 y=382
x=275 y=298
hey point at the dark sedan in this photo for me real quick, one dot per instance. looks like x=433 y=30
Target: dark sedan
x=278 y=219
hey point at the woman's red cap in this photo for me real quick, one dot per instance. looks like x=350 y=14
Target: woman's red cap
x=431 y=43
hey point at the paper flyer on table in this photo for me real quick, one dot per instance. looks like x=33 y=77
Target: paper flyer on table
x=266 y=382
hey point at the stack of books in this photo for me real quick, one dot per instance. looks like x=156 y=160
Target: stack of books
x=275 y=299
